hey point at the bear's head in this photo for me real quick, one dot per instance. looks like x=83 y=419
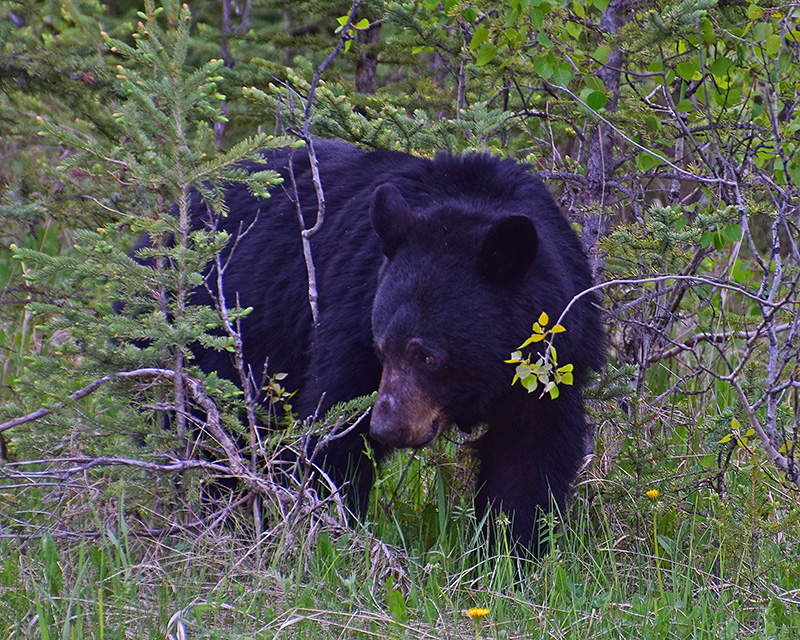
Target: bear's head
x=446 y=313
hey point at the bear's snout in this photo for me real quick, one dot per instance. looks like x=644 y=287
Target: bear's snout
x=403 y=415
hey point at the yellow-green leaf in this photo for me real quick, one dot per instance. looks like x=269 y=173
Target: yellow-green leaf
x=543 y=319
x=529 y=340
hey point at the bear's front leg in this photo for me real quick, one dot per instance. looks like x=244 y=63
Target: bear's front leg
x=529 y=458
x=343 y=368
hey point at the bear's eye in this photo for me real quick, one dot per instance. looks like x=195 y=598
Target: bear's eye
x=417 y=352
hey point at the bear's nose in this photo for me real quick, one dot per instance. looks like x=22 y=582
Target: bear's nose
x=383 y=424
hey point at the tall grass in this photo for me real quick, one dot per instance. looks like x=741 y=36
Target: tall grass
x=653 y=568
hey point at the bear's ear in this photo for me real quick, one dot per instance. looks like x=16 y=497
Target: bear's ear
x=392 y=218
x=508 y=250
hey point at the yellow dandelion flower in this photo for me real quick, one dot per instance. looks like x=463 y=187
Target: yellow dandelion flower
x=652 y=494
x=476 y=613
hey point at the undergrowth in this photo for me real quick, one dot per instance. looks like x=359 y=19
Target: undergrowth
x=679 y=560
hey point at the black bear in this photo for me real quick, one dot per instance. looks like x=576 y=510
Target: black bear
x=430 y=273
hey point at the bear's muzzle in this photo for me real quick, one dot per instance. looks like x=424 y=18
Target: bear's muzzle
x=404 y=415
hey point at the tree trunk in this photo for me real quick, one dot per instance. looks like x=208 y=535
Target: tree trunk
x=600 y=161
x=367 y=65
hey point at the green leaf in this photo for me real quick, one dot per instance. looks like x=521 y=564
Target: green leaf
x=543 y=40
x=707 y=31
x=574 y=30
x=728 y=99
x=396 y=604
x=542 y=66
x=596 y=100
x=686 y=70
x=733 y=232
x=773 y=44
x=486 y=54
x=564 y=74
x=481 y=36
x=601 y=53
x=721 y=66
x=52 y=568
x=512 y=16
x=761 y=31
x=754 y=12
x=740 y=273
x=794 y=171
x=666 y=543
x=646 y=161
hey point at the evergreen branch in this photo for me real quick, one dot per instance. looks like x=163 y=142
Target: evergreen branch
x=138 y=374
x=247 y=148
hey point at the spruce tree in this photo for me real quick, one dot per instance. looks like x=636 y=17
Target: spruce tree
x=118 y=329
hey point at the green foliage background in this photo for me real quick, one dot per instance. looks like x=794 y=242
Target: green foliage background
x=668 y=131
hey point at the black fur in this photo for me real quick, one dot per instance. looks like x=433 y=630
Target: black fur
x=468 y=252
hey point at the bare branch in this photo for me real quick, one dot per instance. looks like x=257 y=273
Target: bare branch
x=697 y=338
